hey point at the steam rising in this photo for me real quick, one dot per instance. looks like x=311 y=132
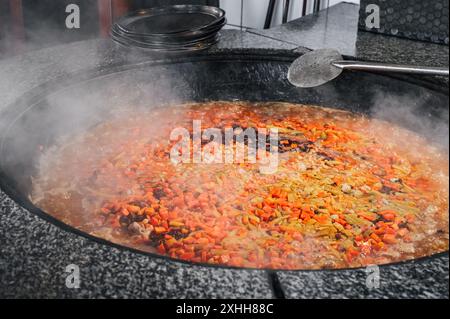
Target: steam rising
x=415 y=114
x=78 y=107
x=71 y=102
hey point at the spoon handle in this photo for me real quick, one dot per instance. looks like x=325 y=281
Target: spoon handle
x=383 y=67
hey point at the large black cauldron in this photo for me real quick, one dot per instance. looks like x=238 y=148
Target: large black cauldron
x=73 y=104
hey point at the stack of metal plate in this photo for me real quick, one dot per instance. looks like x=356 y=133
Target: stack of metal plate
x=170 y=28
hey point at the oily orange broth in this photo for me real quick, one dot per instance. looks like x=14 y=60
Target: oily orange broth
x=349 y=191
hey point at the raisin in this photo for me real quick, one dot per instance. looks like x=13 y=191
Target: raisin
x=159 y=193
x=387 y=190
x=138 y=218
x=177 y=234
x=155 y=239
x=325 y=156
x=125 y=221
x=139 y=203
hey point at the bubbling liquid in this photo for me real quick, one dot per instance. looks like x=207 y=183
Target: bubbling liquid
x=348 y=191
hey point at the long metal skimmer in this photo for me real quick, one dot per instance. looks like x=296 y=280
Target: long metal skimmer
x=321 y=66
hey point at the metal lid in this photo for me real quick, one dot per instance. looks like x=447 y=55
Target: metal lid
x=169 y=38
x=175 y=27
x=169 y=20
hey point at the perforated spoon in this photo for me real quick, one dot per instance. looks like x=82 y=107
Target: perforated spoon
x=321 y=66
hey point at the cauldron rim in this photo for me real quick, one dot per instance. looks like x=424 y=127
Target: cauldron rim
x=229 y=55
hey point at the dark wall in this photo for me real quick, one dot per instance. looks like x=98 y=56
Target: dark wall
x=45 y=21
x=154 y=3
x=4 y=25
x=412 y=19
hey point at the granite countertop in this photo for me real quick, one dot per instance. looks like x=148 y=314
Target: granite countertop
x=34 y=253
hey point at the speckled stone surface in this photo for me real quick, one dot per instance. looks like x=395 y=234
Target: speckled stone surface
x=35 y=253
x=418 y=279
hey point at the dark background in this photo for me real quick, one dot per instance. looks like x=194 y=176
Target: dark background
x=33 y=24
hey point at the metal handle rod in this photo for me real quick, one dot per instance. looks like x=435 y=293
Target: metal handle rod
x=383 y=67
